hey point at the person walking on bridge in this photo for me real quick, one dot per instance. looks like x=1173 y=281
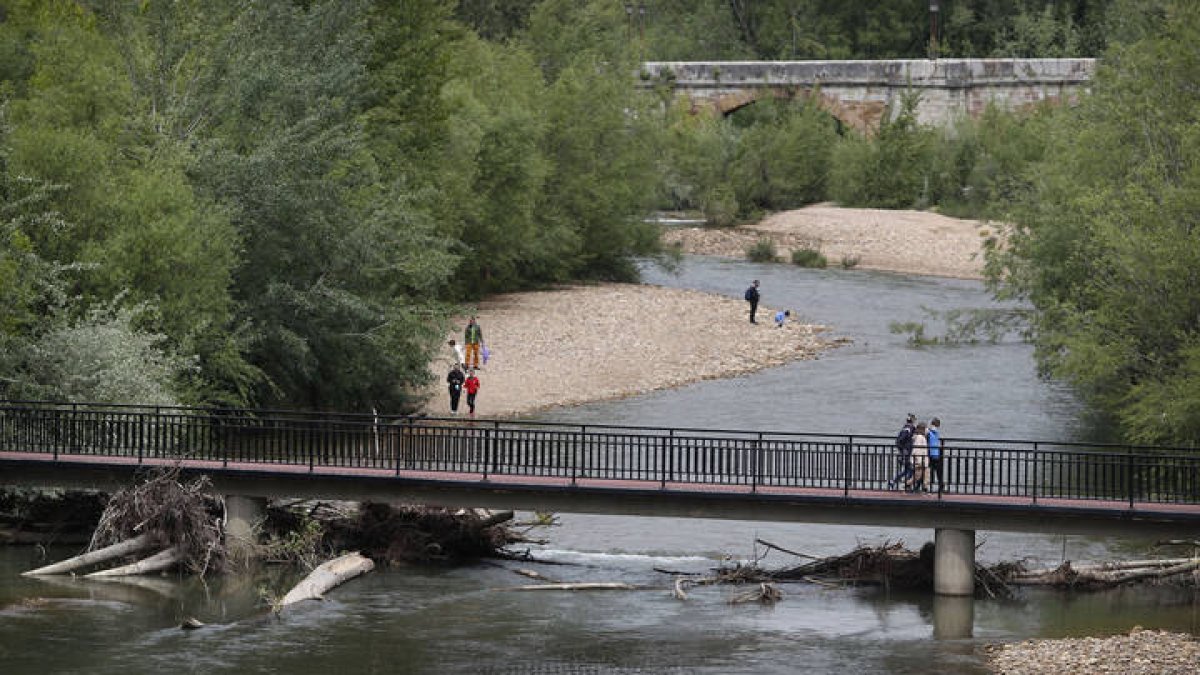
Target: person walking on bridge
x=920 y=460
x=904 y=448
x=934 y=436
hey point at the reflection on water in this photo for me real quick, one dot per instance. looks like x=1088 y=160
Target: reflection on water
x=413 y=620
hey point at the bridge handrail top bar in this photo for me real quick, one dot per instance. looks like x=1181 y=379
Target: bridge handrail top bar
x=369 y=420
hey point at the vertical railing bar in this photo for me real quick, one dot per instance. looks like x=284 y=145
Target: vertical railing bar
x=847 y=471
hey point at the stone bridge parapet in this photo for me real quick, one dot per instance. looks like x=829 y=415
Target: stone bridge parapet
x=861 y=93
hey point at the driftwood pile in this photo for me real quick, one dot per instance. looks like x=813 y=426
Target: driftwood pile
x=165 y=522
x=892 y=565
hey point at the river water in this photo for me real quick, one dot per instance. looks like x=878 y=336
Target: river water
x=461 y=621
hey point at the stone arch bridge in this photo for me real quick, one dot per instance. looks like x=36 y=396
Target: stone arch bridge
x=861 y=93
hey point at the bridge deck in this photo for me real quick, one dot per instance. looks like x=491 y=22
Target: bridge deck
x=583 y=485
x=731 y=474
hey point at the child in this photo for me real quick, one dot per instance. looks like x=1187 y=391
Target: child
x=459 y=358
x=781 y=317
x=472 y=387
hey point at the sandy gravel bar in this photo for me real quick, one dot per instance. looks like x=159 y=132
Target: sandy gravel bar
x=1142 y=652
x=590 y=343
x=914 y=242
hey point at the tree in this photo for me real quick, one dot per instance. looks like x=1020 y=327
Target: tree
x=1104 y=246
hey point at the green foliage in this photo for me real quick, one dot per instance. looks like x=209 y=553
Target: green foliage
x=1105 y=243
x=783 y=158
x=100 y=358
x=807 y=257
x=762 y=250
x=890 y=171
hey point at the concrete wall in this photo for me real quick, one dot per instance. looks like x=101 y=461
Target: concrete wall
x=860 y=93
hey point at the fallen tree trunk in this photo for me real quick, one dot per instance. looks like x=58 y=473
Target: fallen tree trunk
x=1105 y=574
x=117 y=550
x=326 y=576
x=158 y=562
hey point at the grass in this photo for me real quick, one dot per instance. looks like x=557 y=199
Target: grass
x=807 y=257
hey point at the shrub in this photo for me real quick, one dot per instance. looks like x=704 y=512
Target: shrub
x=850 y=262
x=807 y=257
x=719 y=206
x=763 y=250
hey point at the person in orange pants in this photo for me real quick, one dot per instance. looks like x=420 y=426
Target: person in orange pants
x=473 y=337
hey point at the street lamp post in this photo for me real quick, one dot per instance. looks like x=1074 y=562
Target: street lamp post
x=933 y=26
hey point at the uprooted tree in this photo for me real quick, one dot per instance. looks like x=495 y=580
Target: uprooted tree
x=165 y=523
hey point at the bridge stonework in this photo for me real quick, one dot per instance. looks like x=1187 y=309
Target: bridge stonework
x=861 y=93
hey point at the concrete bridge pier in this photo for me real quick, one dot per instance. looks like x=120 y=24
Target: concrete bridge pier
x=953 y=617
x=954 y=562
x=244 y=517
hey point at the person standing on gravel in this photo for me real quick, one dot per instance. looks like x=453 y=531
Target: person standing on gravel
x=473 y=336
x=752 y=296
x=455 y=382
x=472 y=387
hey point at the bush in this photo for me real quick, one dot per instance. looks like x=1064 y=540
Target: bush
x=719 y=207
x=763 y=250
x=850 y=262
x=807 y=257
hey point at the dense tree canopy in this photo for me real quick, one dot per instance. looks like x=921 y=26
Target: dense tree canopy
x=1106 y=243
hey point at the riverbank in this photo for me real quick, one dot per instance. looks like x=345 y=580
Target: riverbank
x=590 y=343
x=909 y=242
x=1141 y=652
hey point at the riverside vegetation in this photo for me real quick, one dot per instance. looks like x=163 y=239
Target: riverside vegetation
x=233 y=203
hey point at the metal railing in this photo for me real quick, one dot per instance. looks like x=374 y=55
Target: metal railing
x=479 y=450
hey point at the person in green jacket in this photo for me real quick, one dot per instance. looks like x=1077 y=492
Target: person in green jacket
x=473 y=337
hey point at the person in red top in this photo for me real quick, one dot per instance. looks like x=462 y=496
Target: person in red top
x=472 y=387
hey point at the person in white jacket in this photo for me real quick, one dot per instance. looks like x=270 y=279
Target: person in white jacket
x=920 y=459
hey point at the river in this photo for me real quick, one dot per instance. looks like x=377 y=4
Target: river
x=460 y=621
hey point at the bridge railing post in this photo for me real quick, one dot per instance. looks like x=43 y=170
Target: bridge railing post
x=1037 y=463
x=847 y=458
x=1132 y=476
x=756 y=476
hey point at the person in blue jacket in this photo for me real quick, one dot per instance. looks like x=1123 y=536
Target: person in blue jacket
x=934 y=435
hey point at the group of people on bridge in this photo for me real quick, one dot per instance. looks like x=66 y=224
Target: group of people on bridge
x=919 y=446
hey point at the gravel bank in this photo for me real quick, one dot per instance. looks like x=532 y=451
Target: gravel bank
x=913 y=242
x=591 y=343
x=1142 y=652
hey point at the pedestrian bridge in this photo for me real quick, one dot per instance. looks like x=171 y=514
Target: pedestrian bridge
x=1008 y=485
x=861 y=94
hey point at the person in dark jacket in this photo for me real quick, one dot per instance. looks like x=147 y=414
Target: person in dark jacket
x=904 y=448
x=752 y=296
x=455 y=381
